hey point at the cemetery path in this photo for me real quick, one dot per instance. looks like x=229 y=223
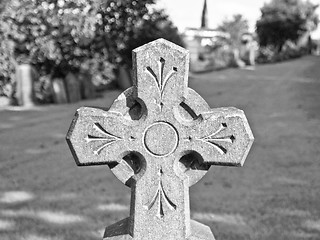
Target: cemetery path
x=44 y=195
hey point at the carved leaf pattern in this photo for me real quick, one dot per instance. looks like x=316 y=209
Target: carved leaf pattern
x=107 y=138
x=216 y=141
x=160 y=197
x=160 y=80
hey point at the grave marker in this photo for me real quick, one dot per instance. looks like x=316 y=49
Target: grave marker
x=25 y=76
x=159 y=137
x=73 y=88
x=87 y=89
x=59 y=91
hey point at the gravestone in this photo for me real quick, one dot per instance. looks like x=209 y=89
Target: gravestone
x=59 y=91
x=4 y=101
x=25 y=77
x=159 y=137
x=87 y=89
x=246 y=53
x=73 y=88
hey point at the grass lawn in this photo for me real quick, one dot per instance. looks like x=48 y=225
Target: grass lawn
x=276 y=195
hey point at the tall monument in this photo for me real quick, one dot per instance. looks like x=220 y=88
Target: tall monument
x=204 y=17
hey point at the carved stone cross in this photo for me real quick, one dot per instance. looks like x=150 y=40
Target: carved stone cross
x=159 y=137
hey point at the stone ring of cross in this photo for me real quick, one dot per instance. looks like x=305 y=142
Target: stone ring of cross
x=159 y=137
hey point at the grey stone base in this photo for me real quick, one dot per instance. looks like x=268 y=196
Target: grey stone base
x=119 y=231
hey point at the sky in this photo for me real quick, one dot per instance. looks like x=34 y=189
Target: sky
x=187 y=13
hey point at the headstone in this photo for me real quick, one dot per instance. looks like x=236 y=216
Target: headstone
x=59 y=91
x=25 y=77
x=159 y=138
x=87 y=89
x=317 y=48
x=73 y=88
x=4 y=101
x=245 y=55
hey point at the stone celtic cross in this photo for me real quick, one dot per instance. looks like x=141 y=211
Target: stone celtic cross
x=159 y=137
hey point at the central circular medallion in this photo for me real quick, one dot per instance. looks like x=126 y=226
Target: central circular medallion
x=160 y=139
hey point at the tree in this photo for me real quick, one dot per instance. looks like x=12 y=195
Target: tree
x=53 y=35
x=236 y=27
x=3 y=4
x=58 y=36
x=125 y=25
x=283 y=20
x=155 y=25
x=62 y=36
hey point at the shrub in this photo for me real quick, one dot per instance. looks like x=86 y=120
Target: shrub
x=289 y=51
x=56 y=37
x=285 y=20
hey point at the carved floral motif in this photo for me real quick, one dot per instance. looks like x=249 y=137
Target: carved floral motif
x=216 y=141
x=107 y=138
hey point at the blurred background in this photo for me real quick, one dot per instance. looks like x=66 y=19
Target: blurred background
x=262 y=56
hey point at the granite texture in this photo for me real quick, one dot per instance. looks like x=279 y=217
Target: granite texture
x=159 y=137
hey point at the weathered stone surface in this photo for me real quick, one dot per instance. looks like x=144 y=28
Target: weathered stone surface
x=25 y=77
x=159 y=138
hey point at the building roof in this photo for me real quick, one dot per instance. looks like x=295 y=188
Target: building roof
x=204 y=33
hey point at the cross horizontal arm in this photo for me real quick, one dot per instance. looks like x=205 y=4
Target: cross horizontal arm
x=97 y=137
x=223 y=137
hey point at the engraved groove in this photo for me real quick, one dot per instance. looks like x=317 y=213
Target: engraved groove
x=170 y=204
x=189 y=110
x=161 y=81
x=214 y=141
x=160 y=197
x=218 y=147
x=153 y=75
x=97 y=152
x=100 y=129
x=110 y=138
x=161 y=67
x=170 y=74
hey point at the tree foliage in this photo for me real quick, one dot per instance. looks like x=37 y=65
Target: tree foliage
x=54 y=35
x=283 y=20
x=59 y=36
x=236 y=27
x=155 y=25
x=125 y=25
x=2 y=5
